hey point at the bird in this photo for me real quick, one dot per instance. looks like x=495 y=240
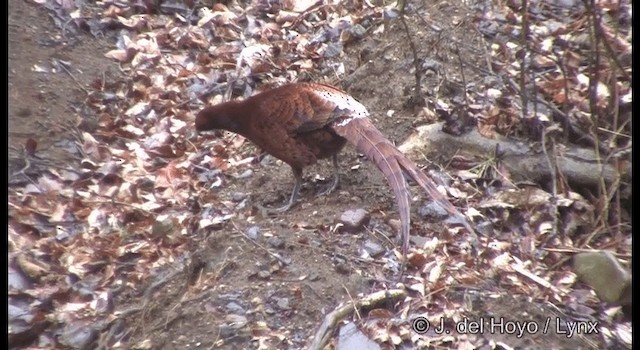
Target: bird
x=301 y=123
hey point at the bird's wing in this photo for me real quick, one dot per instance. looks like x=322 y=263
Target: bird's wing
x=304 y=107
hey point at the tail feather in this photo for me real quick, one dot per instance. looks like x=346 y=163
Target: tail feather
x=368 y=140
x=430 y=188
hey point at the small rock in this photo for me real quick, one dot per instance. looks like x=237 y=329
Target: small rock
x=227 y=331
x=253 y=232
x=491 y=82
x=77 y=336
x=602 y=271
x=440 y=177
x=390 y=14
x=333 y=50
x=358 y=31
x=321 y=37
x=354 y=220
x=418 y=241
x=432 y=210
x=212 y=180
x=395 y=224
x=236 y=321
x=247 y=173
x=316 y=243
x=263 y=274
x=235 y=308
x=351 y=337
x=266 y=160
x=163 y=228
x=276 y=242
x=430 y=64
x=238 y=197
x=373 y=249
x=283 y=304
x=341 y=266
x=485 y=228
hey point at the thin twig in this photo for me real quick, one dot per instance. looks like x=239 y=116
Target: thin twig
x=416 y=61
x=523 y=65
x=73 y=77
x=594 y=79
x=331 y=320
x=553 y=167
x=318 y=5
x=276 y=256
x=464 y=80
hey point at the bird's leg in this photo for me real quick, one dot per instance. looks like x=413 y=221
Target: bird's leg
x=297 y=174
x=336 y=177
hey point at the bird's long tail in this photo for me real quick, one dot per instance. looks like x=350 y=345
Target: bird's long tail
x=368 y=140
x=430 y=188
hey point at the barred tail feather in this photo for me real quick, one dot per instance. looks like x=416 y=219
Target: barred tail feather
x=430 y=188
x=369 y=141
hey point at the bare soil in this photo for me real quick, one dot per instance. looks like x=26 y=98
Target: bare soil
x=44 y=105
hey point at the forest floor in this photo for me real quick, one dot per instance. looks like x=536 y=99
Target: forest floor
x=253 y=281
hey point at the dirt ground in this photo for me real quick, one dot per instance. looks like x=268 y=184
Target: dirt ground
x=43 y=105
x=237 y=275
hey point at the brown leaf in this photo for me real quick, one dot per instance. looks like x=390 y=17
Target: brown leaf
x=121 y=55
x=32 y=269
x=158 y=140
x=167 y=176
x=417 y=260
x=49 y=185
x=30 y=146
x=98 y=218
x=22 y=228
x=91 y=147
x=380 y=313
x=165 y=151
x=61 y=214
x=113 y=11
x=135 y=22
x=82 y=213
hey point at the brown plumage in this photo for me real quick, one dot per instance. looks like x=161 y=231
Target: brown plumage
x=303 y=122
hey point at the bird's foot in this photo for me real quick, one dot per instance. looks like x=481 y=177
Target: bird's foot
x=330 y=188
x=266 y=211
x=292 y=200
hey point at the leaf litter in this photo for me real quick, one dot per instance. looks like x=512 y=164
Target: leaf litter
x=78 y=238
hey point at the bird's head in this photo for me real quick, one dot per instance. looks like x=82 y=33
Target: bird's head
x=224 y=116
